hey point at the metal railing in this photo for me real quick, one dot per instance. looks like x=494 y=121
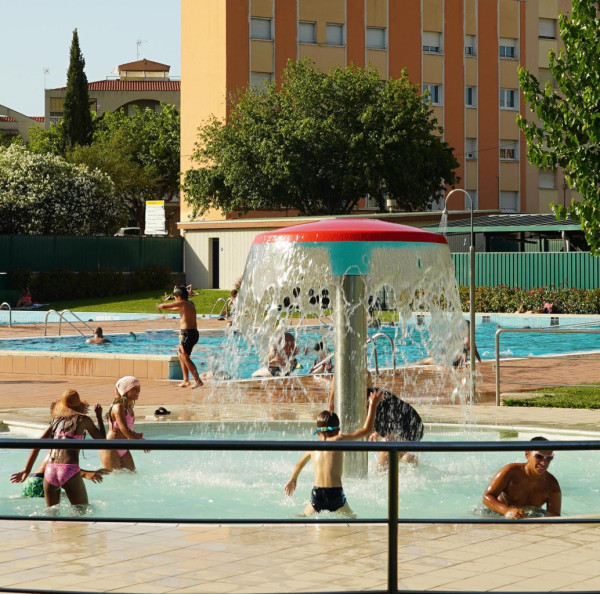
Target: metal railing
x=9 y=312
x=554 y=330
x=225 y=305
x=61 y=318
x=392 y=521
x=371 y=341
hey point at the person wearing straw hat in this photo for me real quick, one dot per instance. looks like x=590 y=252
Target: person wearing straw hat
x=69 y=421
x=121 y=420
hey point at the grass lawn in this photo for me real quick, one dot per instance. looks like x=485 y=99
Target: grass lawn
x=563 y=397
x=142 y=302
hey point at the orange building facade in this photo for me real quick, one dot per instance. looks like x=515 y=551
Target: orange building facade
x=464 y=52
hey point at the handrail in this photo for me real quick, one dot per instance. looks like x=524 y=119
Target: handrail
x=372 y=341
x=393 y=448
x=322 y=363
x=61 y=317
x=216 y=303
x=9 y=312
x=536 y=330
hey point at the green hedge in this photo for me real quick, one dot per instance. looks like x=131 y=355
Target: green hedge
x=503 y=299
x=47 y=286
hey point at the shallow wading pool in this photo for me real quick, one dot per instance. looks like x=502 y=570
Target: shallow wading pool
x=228 y=485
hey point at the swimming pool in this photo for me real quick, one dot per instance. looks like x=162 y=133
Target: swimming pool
x=239 y=359
x=228 y=485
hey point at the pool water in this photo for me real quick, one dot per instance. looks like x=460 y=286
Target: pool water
x=239 y=359
x=229 y=485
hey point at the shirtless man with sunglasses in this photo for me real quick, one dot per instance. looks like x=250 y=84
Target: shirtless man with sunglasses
x=519 y=488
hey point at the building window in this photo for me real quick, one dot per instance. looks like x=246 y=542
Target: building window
x=471 y=96
x=470 y=47
x=509 y=201
x=547 y=179
x=261 y=28
x=371 y=203
x=547 y=29
x=334 y=34
x=56 y=106
x=508 y=48
x=508 y=150
x=470 y=148
x=432 y=42
x=258 y=80
x=376 y=38
x=436 y=94
x=307 y=32
x=508 y=99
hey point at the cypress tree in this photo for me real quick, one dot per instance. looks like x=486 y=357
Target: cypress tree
x=77 y=119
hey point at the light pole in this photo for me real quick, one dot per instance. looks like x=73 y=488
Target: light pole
x=565 y=192
x=471 y=293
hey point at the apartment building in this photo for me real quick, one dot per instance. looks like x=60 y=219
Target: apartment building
x=464 y=52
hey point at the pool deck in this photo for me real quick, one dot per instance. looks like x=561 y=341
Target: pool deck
x=134 y=557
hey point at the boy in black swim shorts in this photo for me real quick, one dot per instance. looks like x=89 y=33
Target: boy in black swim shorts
x=188 y=334
x=328 y=493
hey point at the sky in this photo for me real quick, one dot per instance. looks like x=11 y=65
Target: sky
x=37 y=34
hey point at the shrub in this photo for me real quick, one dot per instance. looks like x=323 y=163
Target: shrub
x=61 y=284
x=503 y=299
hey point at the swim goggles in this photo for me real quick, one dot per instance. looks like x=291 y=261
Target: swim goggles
x=542 y=458
x=322 y=429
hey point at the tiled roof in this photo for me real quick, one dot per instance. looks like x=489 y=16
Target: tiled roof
x=144 y=64
x=7 y=119
x=132 y=85
x=38 y=118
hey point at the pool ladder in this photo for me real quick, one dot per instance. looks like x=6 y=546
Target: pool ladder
x=9 y=312
x=61 y=318
x=371 y=341
x=225 y=306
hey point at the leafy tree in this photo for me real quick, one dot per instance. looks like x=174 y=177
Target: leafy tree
x=140 y=153
x=44 y=194
x=77 y=119
x=50 y=141
x=567 y=132
x=318 y=143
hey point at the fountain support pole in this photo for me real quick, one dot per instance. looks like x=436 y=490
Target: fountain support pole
x=350 y=381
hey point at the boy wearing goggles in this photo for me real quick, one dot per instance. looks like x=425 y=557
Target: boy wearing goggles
x=327 y=493
x=520 y=489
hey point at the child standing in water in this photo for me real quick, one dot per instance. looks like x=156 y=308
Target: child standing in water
x=69 y=421
x=328 y=493
x=121 y=420
x=188 y=335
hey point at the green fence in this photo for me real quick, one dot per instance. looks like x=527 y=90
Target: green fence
x=528 y=270
x=42 y=252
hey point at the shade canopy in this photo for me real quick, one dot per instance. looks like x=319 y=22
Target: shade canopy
x=336 y=230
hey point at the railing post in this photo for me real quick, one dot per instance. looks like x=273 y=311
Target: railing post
x=393 y=521
x=498 y=367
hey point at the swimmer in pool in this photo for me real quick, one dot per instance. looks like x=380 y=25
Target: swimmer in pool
x=519 y=487
x=121 y=420
x=328 y=493
x=98 y=337
x=34 y=482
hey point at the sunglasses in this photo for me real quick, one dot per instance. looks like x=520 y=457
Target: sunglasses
x=541 y=458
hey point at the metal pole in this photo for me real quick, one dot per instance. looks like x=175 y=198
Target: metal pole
x=472 y=323
x=471 y=297
x=350 y=381
x=393 y=521
x=498 y=368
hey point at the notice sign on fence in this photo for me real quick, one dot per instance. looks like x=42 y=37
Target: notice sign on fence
x=155 y=217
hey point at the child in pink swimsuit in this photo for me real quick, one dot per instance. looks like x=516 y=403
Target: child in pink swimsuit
x=69 y=421
x=121 y=420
